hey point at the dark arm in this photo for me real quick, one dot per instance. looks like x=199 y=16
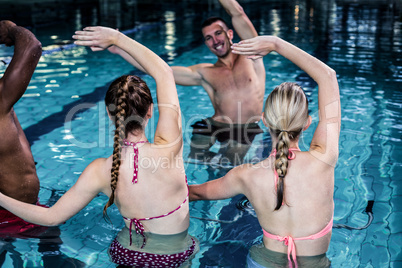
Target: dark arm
x=27 y=52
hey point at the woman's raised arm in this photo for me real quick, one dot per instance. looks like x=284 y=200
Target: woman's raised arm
x=168 y=130
x=324 y=144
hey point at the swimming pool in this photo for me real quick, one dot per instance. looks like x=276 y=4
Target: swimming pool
x=64 y=118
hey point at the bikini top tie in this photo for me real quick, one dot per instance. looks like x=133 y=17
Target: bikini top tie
x=134 y=144
x=289 y=240
x=136 y=223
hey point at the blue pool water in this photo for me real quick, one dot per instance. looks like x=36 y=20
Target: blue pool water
x=64 y=118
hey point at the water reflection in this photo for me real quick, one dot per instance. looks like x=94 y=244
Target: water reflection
x=362 y=40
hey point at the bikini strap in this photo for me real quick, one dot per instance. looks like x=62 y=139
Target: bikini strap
x=135 y=148
x=289 y=240
x=139 y=227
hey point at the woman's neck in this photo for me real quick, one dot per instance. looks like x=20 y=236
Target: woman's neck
x=136 y=137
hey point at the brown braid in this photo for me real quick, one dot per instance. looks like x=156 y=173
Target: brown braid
x=119 y=136
x=131 y=98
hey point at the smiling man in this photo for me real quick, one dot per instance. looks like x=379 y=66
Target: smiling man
x=235 y=85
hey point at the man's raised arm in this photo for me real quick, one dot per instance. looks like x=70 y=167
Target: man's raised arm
x=27 y=52
x=240 y=21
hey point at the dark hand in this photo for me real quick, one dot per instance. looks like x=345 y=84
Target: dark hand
x=5 y=38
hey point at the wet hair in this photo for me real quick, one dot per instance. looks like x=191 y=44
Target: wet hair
x=127 y=100
x=286 y=114
x=211 y=20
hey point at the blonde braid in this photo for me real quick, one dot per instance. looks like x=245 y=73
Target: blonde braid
x=281 y=165
x=286 y=114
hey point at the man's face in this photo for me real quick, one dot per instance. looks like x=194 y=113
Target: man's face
x=217 y=39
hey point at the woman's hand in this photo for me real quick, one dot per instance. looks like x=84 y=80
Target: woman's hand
x=255 y=48
x=114 y=50
x=97 y=38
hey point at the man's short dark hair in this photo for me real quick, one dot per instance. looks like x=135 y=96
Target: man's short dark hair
x=211 y=20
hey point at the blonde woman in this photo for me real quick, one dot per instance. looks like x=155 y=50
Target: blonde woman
x=153 y=200
x=291 y=191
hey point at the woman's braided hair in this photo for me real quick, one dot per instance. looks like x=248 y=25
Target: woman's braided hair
x=286 y=114
x=127 y=100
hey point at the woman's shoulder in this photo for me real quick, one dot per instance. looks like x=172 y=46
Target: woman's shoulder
x=262 y=165
x=101 y=161
x=164 y=151
x=96 y=176
x=249 y=170
x=100 y=166
x=318 y=160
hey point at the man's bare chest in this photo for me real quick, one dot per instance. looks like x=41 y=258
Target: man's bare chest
x=231 y=80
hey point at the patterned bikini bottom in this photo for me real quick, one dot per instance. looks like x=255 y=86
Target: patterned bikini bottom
x=123 y=256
